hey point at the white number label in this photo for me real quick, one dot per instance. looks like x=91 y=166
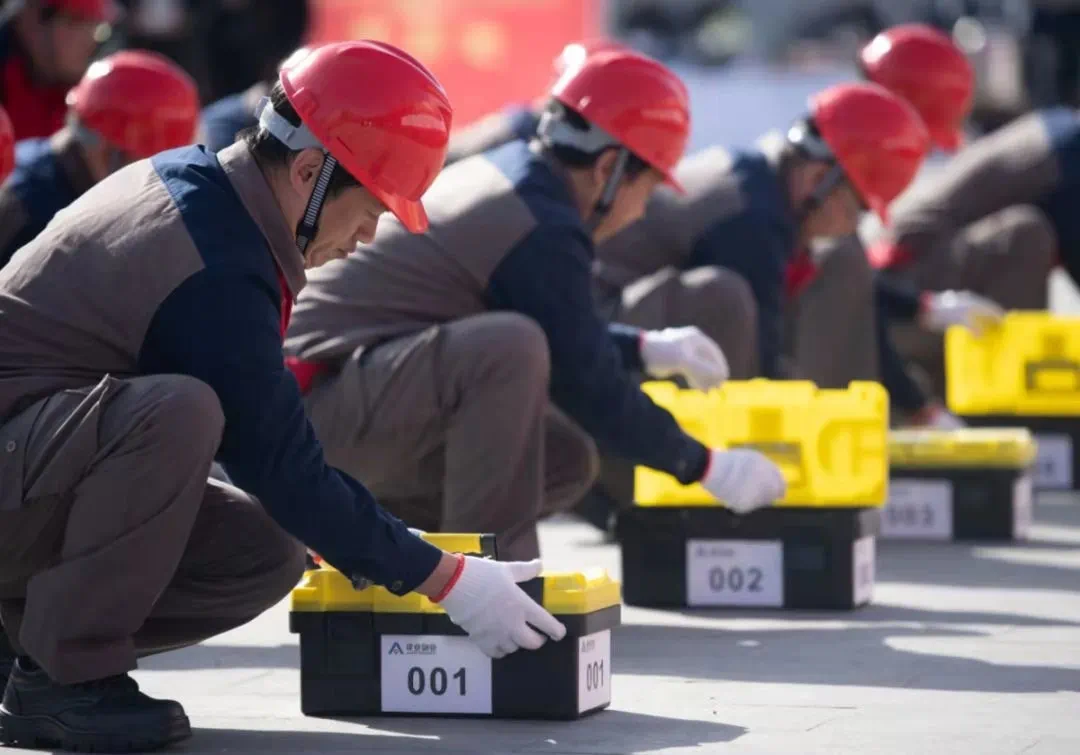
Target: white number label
x=734 y=573
x=1023 y=507
x=863 y=555
x=434 y=674
x=594 y=671
x=918 y=509
x=1054 y=462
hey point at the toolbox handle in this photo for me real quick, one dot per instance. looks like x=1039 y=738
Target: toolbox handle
x=1032 y=371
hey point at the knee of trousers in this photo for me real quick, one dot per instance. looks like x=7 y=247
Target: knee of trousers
x=503 y=346
x=281 y=570
x=722 y=304
x=579 y=469
x=187 y=414
x=721 y=293
x=1033 y=243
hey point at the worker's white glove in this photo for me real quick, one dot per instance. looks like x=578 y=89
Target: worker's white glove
x=947 y=308
x=744 y=479
x=687 y=352
x=488 y=604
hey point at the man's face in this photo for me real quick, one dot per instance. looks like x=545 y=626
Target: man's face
x=839 y=214
x=72 y=42
x=350 y=218
x=631 y=199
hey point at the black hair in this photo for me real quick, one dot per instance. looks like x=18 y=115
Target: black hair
x=575 y=158
x=271 y=152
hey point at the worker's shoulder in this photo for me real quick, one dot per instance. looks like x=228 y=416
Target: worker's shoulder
x=1061 y=124
x=535 y=181
x=34 y=160
x=212 y=213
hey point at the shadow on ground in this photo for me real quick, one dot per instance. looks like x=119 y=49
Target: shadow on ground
x=859 y=656
x=609 y=731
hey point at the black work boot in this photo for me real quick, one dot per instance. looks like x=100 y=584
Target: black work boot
x=106 y=715
x=7 y=657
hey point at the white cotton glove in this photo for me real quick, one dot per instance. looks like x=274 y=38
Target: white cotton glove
x=947 y=308
x=687 y=352
x=488 y=604
x=744 y=479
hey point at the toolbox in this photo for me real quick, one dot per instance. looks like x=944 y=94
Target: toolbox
x=967 y=484
x=1023 y=372
x=815 y=548
x=369 y=652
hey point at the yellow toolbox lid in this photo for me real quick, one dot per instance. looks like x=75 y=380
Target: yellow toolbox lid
x=565 y=593
x=830 y=443
x=1027 y=365
x=966 y=447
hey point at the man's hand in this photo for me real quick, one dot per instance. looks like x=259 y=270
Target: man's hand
x=484 y=599
x=946 y=308
x=687 y=352
x=744 y=479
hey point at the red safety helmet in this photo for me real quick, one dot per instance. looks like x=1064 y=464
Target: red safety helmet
x=575 y=53
x=7 y=145
x=877 y=139
x=137 y=101
x=638 y=101
x=92 y=10
x=925 y=67
x=380 y=113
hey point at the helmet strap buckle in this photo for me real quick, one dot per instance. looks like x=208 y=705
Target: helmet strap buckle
x=309 y=221
x=611 y=187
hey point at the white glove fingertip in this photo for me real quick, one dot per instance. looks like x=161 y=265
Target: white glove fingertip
x=538 y=617
x=523 y=571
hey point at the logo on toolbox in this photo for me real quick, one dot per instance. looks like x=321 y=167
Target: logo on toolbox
x=413 y=648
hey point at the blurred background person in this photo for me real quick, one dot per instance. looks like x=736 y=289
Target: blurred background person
x=45 y=47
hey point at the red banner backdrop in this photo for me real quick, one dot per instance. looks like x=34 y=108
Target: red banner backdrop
x=486 y=53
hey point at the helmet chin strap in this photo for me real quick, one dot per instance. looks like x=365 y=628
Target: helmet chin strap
x=297 y=138
x=828 y=183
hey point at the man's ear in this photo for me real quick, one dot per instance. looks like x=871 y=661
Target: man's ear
x=304 y=171
x=807 y=177
x=604 y=165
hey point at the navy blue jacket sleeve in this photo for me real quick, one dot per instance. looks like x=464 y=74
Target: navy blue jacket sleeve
x=898 y=299
x=223 y=328
x=757 y=248
x=628 y=341
x=547 y=278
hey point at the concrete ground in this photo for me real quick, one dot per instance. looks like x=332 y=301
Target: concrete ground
x=966 y=648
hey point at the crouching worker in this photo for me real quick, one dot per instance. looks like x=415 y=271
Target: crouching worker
x=995 y=220
x=142 y=337
x=736 y=252
x=128 y=106
x=465 y=373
